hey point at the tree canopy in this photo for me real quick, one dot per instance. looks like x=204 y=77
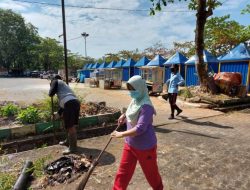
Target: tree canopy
x=17 y=39
x=222 y=34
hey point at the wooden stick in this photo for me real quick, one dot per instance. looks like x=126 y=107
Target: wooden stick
x=83 y=183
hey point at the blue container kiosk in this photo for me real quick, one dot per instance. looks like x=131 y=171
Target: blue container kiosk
x=237 y=60
x=153 y=73
x=191 y=76
x=128 y=69
x=94 y=75
x=113 y=76
x=142 y=62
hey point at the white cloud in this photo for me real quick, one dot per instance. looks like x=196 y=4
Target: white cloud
x=111 y=31
x=16 y=6
x=232 y=5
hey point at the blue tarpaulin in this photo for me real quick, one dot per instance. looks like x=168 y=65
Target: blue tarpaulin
x=157 y=61
x=129 y=63
x=142 y=62
x=111 y=65
x=120 y=63
x=239 y=53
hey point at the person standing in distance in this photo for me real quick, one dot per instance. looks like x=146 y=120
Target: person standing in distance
x=173 y=83
x=69 y=111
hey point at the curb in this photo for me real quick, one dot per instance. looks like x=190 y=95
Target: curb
x=47 y=127
x=33 y=142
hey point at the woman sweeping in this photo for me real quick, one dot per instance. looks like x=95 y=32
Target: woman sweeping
x=140 y=139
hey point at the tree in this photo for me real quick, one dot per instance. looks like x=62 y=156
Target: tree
x=246 y=10
x=186 y=48
x=123 y=54
x=17 y=40
x=111 y=57
x=204 y=9
x=222 y=34
x=51 y=54
x=157 y=49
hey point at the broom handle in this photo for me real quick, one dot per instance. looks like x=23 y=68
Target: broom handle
x=99 y=156
x=53 y=118
x=83 y=183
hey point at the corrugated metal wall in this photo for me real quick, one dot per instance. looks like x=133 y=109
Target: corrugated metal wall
x=86 y=73
x=191 y=76
x=182 y=71
x=136 y=71
x=132 y=71
x=241 y=67
x=125 y=74
x=213 y=67
x=167 y=74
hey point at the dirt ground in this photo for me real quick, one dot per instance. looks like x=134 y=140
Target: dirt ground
x=201 y=149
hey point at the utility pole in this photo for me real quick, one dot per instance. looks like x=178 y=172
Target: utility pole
x=85 y=35
x=65 y=43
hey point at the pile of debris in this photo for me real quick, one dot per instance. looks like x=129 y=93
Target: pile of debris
x=65 y=170
x=94 y=108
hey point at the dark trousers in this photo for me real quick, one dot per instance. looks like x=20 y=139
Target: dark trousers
x=172 y=102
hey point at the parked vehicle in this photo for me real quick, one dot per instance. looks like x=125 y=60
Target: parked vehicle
x=27 y=73
x=47 y=75
x=35 y=74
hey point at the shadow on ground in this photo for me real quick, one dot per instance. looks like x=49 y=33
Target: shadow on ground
x=203 y=123
x=162 y=130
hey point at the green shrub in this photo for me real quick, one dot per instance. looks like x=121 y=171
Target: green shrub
x=29 y=115
x=45 y=108
x=9 y=110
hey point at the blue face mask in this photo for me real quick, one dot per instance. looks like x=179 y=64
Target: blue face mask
x=134 y=94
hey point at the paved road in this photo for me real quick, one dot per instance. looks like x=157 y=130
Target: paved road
x=23 y=90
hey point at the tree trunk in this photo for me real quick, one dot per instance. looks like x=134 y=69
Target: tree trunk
x=201 y=15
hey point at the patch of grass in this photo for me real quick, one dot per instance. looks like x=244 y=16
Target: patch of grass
x=9 y=110
x=7 y=180
x=39 y=165
x=185 y=92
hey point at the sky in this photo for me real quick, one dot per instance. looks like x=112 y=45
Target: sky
x=113 y=30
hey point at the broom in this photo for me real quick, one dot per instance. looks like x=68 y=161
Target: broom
x=83 y=183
